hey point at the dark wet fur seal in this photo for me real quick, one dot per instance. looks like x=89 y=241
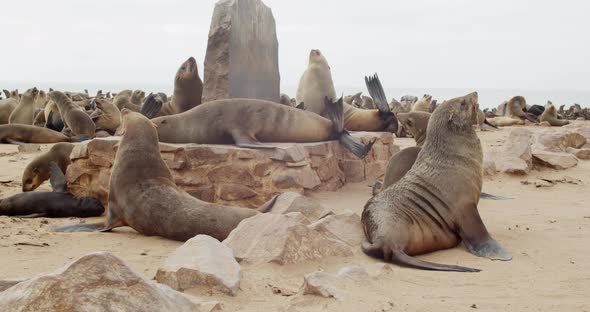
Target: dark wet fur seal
x=250 y=122
x=536 y=110
x=143 y=194
x=434 y=205
x=39 y=169
x=56 y=204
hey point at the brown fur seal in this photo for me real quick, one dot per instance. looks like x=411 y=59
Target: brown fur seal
x=73 y=116
x=24 y=112
x=434 y=205
x=416 y=124
x=6 y=107
x=123 y=100
x=188 y=89
x=248 y=122
x=316 y=84
x=503 y=121
x=149 y=201
x=57 y=204
x=41 y=100
x=516 y=108
x=16 y=134
x=423 y=105
x=106 y=116
x=39 y=169
x=550 y=115
x=355 y=100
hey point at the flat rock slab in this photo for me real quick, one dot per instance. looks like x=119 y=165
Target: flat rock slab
x=242 y=59
x=330 y=285
x=237 y=176
x=202 y=260
x=95 y=282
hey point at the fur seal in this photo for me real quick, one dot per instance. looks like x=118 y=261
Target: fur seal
x=248 y=122
x=149 y=201
x=6 y=93
x=423 y=105
x=123 y=100
x=39 y=169
x=516 y=108
x=188 y=89
x=285 y=99
x=434 y=205
x=355 y=100
x=24 y=113
x=416 y=124
x=57 y=204
x=550 y=115
x=503 y=121
x=73 y=116
x=17 y=134
x=6 y=107
x=41 y=100
x=106 y=116
x=316 y=84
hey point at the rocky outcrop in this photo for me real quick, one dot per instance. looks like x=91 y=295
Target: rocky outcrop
x=238 y=176
x=95 y=282
x=282 y=239
x=242 y=59
x=201 y=261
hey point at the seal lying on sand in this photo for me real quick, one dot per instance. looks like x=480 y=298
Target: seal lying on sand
x=56 y=204
x=550 y=115
x=188 y=89
x=39 y=169
x=17 y=134
x=248 y=122
x=434 y=205
x=143 y=194
x=503 y=121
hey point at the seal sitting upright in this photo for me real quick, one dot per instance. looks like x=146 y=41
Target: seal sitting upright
x=143 y=194
x=434 y=205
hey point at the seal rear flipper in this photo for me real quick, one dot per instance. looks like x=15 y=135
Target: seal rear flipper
x=241 y=139
x=57 y=179
x=401 y=258
x=377 y=93
x=12 y=141
x=151 y=106
x=493 y=197
x=81 y=227
x=358 y=149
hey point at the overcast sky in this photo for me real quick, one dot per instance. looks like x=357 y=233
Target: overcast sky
x=524 y=44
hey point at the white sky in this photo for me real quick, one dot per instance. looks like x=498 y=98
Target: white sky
x=524 y=44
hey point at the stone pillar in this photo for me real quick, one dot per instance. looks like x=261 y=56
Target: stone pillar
x=242 y=52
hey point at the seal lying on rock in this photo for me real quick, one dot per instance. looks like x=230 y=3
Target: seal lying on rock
x=56 y=204
x=143 y=194
x=248 y=122
x=434 y=205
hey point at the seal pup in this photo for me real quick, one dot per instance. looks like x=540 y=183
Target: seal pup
x=143 y=194
x=550 y=116
x=248 y=122
x=434 y=205
x=73 y=116
x=423 y=105
x=106 y=116
x=24 y=113
x=39 y=169
x=416 y=124
x=188 y=89
x=56 y=204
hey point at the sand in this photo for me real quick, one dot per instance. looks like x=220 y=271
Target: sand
x=547 y=230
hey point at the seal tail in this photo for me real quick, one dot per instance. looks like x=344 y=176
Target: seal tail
x=401 y=258
x=335 y=112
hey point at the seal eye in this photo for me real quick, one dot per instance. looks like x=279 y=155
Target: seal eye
x=29 y=181
x=463 y=104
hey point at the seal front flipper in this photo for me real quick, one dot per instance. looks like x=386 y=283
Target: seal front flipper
x=335 y=113
x=378 y=250
x=151 y=106
x=81 y=227
x=243 y=140
x=493 y=197
x=57 y=179
x=32 y=215
x=300 y=106
x=378 y=94
x=477 y=239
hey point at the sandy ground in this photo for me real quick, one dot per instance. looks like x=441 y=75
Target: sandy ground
x=547 y=230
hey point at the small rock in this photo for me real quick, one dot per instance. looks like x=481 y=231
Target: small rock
x=346 y=227
x=232 y=191
x=294 y=202
x=555 y=160
x=282 y=239
x=330 y=285
x=579 y=153
x=29 y=148
x=303 y=177
x=202 y=260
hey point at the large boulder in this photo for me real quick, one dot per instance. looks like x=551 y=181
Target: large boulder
x=282 y=239
x=202 y=260
x=242 y=59
x=95 y=282
x=346 y=227
x=515 y=157
x=555 y=160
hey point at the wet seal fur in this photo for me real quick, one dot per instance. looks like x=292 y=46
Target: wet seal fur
x=143 y=194
x=550 y=116
x=57 y=204
x=249 y=122
x=73 y=116
x=434 y=205
x=39 y=169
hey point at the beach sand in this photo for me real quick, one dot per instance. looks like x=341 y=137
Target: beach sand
x=547 y=230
